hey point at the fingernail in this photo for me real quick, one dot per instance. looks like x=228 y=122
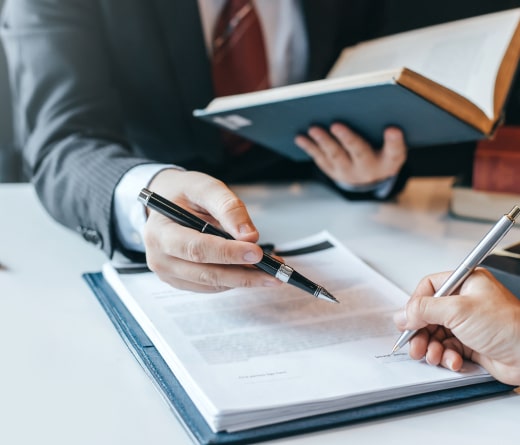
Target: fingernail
x=449 y=363
x=338 y=130
x=251 y=257
x=392 y=135
x=315 y=134
x=400 y=318
x=245 y=228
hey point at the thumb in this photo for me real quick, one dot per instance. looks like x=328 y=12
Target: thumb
x=424 y=310
x=394 y=150
x=225 y=207
x=236 y=220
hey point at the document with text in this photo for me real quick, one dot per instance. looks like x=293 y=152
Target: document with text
x=258 y=356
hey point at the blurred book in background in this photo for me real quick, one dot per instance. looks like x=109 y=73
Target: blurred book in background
x=494 y=187
x=496 y=167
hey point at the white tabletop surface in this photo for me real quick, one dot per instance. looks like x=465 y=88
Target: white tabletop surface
x=66 y=377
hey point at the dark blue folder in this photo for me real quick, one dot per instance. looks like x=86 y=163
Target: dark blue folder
x=161 y=375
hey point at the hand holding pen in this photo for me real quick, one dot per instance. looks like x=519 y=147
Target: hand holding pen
x=217 y=267
x=468 y=265
x=479 y=322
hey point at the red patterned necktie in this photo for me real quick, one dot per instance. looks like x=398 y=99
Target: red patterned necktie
x=239 y=61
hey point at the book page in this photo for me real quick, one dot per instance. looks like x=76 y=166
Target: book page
x=288 y=92
x=464 y=56
x=250 y=357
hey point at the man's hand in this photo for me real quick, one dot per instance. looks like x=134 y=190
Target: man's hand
x=190 y=260
x=481 y=323
x=347 y=158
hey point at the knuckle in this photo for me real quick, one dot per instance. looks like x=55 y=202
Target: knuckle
x=482 y=272
x=159 y=267
x=153 y=264
x=247 y=281
x=421 y=305
x=210 y=181
x=396 y=156
x=411 y=309
x=228 y=255
x=149 y=238
x=209 y=277
x=456 y=315
x=232 y=203
x=415 y=308
x=194 y=251
x=335 y=156
x=344 y=135
x=358 y=154
x=393 y=156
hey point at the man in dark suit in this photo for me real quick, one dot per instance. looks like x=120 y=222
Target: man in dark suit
x=103 y=87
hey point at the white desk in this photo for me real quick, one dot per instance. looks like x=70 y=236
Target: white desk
x=67 y=378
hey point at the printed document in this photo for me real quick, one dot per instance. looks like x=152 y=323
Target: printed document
x=256 y=356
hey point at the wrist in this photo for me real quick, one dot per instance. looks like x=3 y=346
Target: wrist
x=129 y=214
x=381 y=189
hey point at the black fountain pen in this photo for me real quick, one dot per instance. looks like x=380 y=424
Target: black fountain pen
x=268 y=264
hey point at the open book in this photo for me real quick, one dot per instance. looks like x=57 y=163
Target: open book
x=441 y=84
x=247 y=358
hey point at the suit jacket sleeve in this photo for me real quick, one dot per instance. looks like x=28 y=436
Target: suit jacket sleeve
x=67 y=111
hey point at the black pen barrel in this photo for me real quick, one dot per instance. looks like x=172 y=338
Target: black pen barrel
x=269 y=265
x=299 y=281
x=287 y=274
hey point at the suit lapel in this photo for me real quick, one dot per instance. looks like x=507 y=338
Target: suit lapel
x=183 y=36
x=182 y=32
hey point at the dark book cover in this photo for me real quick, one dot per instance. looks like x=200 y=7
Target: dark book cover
x=367 y=110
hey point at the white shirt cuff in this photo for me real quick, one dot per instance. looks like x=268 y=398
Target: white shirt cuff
x=129 y=213
x=380 y=189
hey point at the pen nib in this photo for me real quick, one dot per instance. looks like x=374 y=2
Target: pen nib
x=325 y=295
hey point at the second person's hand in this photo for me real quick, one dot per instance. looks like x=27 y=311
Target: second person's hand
x=190 y=260
x=481 y=322
x=347 y=158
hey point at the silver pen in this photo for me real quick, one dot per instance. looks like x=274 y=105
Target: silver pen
x=468 y=265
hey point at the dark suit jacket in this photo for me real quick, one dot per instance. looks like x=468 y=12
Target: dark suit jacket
x=103 y=85
x=9 y=169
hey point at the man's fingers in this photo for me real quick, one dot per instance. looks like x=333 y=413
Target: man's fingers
x=444 y=311
x=422 y=311
x=393 y=153
x=212 y=277
x=419 y=345
x=182 y=242
x=357 y=147
x=214 y=197
x=452 y=358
